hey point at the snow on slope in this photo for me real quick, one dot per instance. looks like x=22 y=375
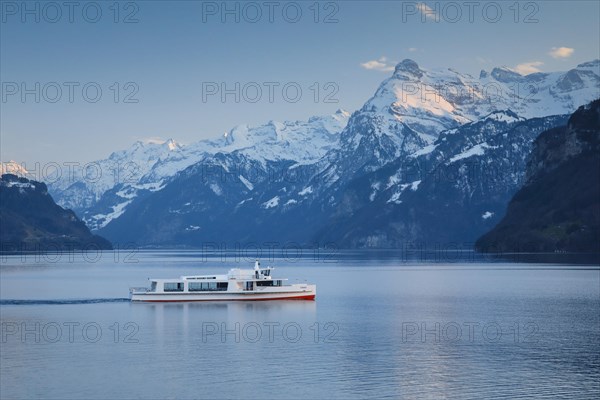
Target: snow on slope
x=300 y=141
x=477 y=150
x=404 y=116
x=13 y=167
x=429 y=101
x=147 y=166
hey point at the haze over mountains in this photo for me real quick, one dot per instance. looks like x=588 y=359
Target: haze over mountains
x=434 y=156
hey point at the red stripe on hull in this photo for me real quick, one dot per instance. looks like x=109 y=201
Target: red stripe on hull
x=308 y=297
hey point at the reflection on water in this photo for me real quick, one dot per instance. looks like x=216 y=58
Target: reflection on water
x=379 y=328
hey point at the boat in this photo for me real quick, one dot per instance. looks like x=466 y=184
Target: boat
x=236 y=285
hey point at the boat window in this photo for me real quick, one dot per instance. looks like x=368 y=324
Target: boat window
x=264 y=283
x=153 y=287
x=206 y=286
x=173 y=287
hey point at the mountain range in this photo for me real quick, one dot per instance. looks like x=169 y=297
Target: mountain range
x=433 y=156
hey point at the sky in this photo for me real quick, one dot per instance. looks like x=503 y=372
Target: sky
x=82 y=81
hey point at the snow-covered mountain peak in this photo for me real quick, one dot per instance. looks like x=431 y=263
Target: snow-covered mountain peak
x=407 y=69
x=14 y=168
x=149 y=165
x=141 y=150
x=331 y=124
x=505 y=74
x=593 y=65
x=300 y=141
x=417 y=99
x=456 y=97
x=340 y=112
x=171 y=145
x=406 y=115
x=410 y=109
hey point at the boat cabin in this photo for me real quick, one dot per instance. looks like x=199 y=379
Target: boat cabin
x=237 y=280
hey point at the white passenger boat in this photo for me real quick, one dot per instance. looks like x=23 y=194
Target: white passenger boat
x=238 y=284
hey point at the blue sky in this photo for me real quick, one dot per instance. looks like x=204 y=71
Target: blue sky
x=176 y=50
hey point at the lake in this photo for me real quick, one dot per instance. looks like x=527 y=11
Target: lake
x=382 y=326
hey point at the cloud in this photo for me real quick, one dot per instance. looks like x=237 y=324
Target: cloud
x=379 y=65
x=412 y=49
x=427 y=11
x=528 y=67
x=152 y=140
x=561 y=52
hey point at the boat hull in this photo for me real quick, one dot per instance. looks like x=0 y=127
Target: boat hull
x=223 y=296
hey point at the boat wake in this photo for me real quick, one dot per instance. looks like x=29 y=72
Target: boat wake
x=61 y=302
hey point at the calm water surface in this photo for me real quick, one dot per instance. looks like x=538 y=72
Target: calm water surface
x=380 y=328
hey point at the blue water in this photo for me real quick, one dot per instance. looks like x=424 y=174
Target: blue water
x=381 y=327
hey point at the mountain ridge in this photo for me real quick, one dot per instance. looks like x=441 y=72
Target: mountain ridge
x=284 y=173
x=30 y=220
x=382 y=131
x=558 y=206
